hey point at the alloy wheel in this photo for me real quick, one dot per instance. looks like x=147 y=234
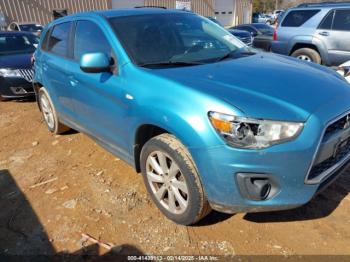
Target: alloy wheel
x=167 y=182
x=305 y=58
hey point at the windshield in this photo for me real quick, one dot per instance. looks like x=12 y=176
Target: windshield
x=31 y=27
x=264 y=29
x=177 y=38
x=17 y=44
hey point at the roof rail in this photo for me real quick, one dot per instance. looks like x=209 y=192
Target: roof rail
x=330 y=3
x=150 y=6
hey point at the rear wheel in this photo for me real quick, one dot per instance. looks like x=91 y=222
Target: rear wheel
x=307 y=54
x=49 y=113
x=172 y=180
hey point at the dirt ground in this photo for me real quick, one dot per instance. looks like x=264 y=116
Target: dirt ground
x=90 y=191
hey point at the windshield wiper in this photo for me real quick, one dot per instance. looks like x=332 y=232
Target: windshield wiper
x=170 y=63
x=241 y=52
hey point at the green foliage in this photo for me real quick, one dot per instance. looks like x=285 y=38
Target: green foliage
x=266 y=5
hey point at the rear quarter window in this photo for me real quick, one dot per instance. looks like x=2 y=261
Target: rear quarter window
x=298 y=17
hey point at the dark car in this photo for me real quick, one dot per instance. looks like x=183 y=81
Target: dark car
x=16 y=74
x=262 y=33
x=244 y=36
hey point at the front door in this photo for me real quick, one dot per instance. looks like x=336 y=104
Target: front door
x=97 y=97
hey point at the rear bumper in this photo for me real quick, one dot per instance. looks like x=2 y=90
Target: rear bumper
x=15 y=87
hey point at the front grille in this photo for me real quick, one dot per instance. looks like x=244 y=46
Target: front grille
x=322 y=170
x=246 y=40
x=337 y=126
x=27 y=74
x=341 y=153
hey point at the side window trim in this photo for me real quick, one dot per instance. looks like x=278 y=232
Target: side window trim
x=325 y=17
x=46 y=39
x=71 y=38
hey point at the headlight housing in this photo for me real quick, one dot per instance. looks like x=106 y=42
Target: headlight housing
x=345 y=72
x=6 y=72
x=248 y=133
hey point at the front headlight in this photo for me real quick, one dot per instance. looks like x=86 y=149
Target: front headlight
x=250 y=133
x=345 y=72
x=5 y=72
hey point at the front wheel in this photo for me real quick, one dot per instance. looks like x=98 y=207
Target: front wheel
x=307 y=54
x=172 y=180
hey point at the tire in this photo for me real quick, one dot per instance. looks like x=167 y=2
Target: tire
x=49 y=113
x=307 y=54
x=183 y=186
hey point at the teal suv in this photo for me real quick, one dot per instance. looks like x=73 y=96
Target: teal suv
x=190 y=107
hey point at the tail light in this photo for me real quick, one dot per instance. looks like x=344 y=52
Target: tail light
x=275 y=36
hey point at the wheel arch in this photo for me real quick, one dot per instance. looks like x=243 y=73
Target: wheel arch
x=36 y=87
x=143 y=134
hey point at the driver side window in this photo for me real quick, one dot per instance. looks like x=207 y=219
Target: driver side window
x=89 y=38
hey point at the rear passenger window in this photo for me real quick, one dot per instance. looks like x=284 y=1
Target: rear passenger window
x=327 y=22
x=342 y=20
x=59 y=39
x=89 y=38
x=298 y=18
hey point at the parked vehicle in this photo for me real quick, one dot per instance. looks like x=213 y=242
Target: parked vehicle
x=31 y=27
x=203 y=123
x=276 y=13
x=244 y=36
x=263 y=18
x=344 y=70
x=16 y=74
x=279 y=18
x=262 y=34
x=318 y=33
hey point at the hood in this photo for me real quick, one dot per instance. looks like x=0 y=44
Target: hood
x=16 y=61
x=264 y=85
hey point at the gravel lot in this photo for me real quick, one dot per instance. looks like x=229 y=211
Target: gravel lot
x=54 y=188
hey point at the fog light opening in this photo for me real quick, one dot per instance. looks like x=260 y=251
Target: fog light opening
x=263 y=188
x=257 y=187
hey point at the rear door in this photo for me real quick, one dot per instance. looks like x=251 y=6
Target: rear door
x=334 y=31
x=53 y=61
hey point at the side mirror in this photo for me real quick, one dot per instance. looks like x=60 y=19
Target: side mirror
x=95 y=63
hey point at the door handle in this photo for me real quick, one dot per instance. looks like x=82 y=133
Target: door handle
x=324 y=33
x=73 y=81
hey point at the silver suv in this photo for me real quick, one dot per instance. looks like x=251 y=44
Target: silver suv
x=317 y=33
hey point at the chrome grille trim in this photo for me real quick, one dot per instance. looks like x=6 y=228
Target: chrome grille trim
x=27 y=74
x=327 y=173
